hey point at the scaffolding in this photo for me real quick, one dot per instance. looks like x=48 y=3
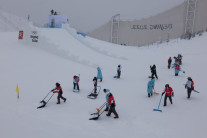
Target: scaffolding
x=190 y=17
x=115 y=29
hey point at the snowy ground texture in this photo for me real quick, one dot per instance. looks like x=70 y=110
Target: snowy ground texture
x=60 y=56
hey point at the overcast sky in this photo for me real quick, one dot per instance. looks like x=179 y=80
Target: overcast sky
x=86 y=15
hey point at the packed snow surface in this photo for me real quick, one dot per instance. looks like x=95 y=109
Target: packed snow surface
x=59 y=56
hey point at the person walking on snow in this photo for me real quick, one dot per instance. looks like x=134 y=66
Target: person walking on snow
x=169 y=62
x=179 y=58
x=75 y=82
x=177 y=68
x=95 y=84
x=153 y=71
x=119 y=71
x=168 y=91
x=111 y=104
x=150 y=86
x=58 y=90
x=99 y=74
x=190 y=86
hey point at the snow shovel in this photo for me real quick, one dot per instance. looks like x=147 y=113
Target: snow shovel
x=97 y=115
x=43 y=101
x=158 y=105
x=156 y=92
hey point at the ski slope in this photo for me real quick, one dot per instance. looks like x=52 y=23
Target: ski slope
x=60 y=55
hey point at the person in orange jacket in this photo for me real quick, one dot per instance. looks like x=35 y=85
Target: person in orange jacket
x=58 y=90
x=168 y=91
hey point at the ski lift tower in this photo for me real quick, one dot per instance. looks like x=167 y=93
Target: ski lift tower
x=190 y=17
x=115 y=28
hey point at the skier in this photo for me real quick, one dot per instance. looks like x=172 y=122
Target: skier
x=177 y=68
x=190 y=86
x=168 y=94
x=75 y=82
x=153 y=71
x=150 y=86
x=110 y=103
x=95 y=84
x=119 y=71
x=99 y=74
x=58 y=90
x=169 y=62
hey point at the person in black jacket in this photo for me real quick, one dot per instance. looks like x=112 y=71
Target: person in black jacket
x=153 y=71
x=169 y=62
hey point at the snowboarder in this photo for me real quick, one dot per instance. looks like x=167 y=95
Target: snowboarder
x=168 y=94
x=58 y=90
x=119 y=71
x=75 y=82
x=153 y=71
x=150 y=86
x=95 y=84
x=110 y=103
x=190 y=86
x=99 y=74
x=169 y=62
x=177 y=68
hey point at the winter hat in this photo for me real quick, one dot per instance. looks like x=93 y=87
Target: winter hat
x=106 y=90
x=189 y=78
x=57 y=84
x=167 y=85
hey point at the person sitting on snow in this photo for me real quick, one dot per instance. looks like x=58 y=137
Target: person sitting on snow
x=58 y=90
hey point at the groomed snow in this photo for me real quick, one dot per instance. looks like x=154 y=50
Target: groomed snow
x=36 y=69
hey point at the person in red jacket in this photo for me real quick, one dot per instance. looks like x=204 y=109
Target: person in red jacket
x=58 y=90
x=168 y=94
x=112 y=105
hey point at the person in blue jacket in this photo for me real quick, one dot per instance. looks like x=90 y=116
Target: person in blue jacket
x=177 y=68
x=150 y=86
x=99 y=74
x=107 y=99
x=119 y=71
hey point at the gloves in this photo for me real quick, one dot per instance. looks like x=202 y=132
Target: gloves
x=163 y=93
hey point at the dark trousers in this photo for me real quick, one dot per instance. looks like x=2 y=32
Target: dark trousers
x=165 y=100
x=60 y=96
x=113 y=110
x=119 y=74
x=154 y=73
x=189 y=90
x=74 y=86
x=169 y=64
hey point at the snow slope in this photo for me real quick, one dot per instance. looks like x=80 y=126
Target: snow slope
x=11 y=23
x=59 y=56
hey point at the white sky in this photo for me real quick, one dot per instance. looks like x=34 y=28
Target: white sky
x=86 y=15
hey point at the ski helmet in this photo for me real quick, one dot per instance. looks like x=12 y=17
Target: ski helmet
x=167 y=85
x=189 y=78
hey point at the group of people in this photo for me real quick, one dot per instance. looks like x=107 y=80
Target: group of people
x=168 y=91
x=110 y=102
